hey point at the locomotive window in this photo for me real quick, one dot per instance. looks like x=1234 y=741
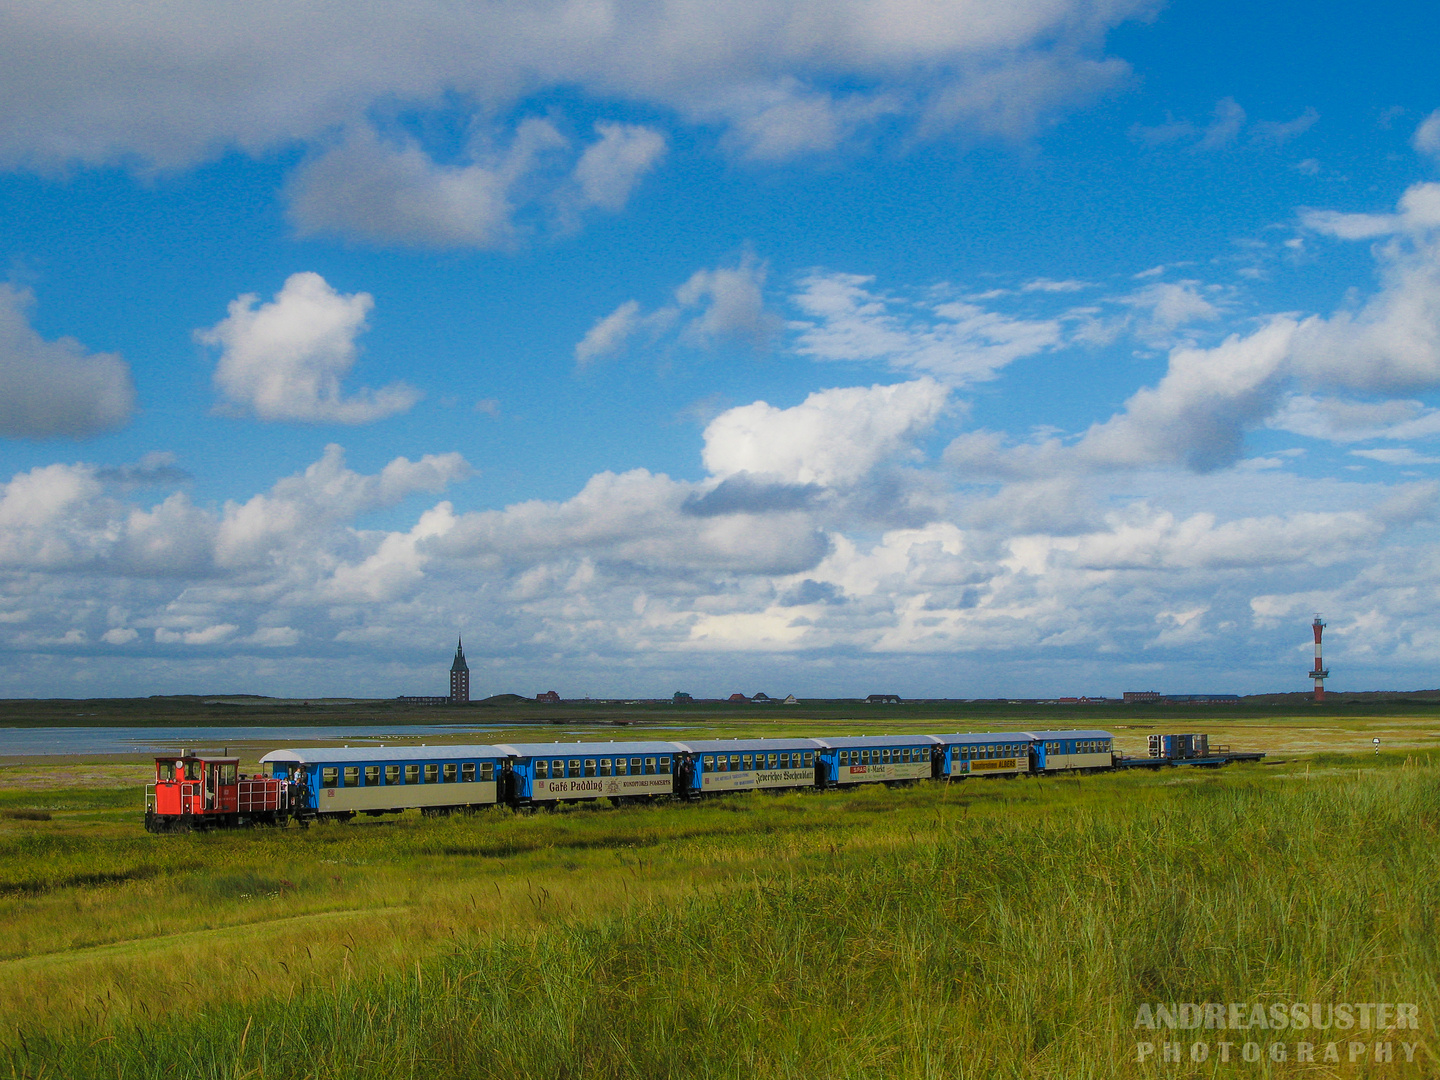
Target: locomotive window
x=412 y=774
x=432 y=774
x=542 y=770
x=589 y=766
x=748 y=760
x=352 y=776
x=665 y=765
x=392 y=774
x=165 y=771
x=192 y=770
x=487 y=770
x=467 y=772
x=605 y=767
x=329 y=775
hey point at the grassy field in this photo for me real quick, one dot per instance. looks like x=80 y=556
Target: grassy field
x=988 y=928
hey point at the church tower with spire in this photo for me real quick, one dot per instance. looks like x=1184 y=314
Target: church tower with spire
x=459 y=676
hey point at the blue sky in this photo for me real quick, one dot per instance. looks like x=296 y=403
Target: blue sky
x=949 y=349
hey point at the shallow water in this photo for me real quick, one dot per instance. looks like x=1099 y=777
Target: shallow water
x=148 y=740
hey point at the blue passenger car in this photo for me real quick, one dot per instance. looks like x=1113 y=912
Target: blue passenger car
x=1005 y=753
x=566 y=772
x=708 y=766
x=1067 y=751
x=869 y=759
x=344 y=781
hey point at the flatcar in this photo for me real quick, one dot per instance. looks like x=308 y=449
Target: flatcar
x=196 y=791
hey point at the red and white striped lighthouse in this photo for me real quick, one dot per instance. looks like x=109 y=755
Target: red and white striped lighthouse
x=1319 y=673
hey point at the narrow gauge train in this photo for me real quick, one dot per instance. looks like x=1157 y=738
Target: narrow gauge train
x=335 y=783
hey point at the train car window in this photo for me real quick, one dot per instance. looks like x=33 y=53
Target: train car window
x=392 y=774
x=574 y=767
x=785 y=760
x=329 y=776
x=542 y=770
x=606 y=768
x=372 y=775
x=448 y=772
x=622 y=767
x=589 y=766
x=649 y=766
x=467 y=772
x=665 y=766
x=809 y=759
x=888 y=758
x=352 y=776
x=734 y=762
x=709 y=764
x=748 y=761
x=635 y=767
x=412 y=774
x=432 y=774
x=487 y=770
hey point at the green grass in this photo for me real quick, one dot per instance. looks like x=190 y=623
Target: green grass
x=985 y=929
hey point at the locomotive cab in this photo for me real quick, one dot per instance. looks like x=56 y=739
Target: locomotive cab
x=200 y=791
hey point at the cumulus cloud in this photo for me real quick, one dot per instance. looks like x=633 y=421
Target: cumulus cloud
x=284 y=360
x=609 y=335
x=55 y=389
x=180 y=86
x=833 y=438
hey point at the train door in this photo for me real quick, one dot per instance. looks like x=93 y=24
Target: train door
x=937 y=763
x=211 y=780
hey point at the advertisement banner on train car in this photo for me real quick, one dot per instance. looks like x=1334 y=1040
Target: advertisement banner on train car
x=748 y=779
x=994 y=764
x=865 y=774
x=595 y=787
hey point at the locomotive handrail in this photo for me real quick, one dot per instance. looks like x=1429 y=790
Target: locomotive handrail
x=151 y=806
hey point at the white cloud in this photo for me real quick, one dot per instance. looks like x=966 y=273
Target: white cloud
x=1399 y=455
x=953 y=340
x=285 y=359
x=1224 y=125
x=609 y=335
x=1427 y=136
x=731 y=302
x=610 y=168
x=119 y=635
x=834 y=437
x=1344 y=421
x=724 y=303
x=209 y=635
x=51 y=389
x=174 y=86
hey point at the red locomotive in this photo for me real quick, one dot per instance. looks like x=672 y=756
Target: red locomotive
x=198 y=791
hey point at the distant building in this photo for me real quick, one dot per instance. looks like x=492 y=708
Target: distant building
x=737 y=697
x=405 y=699
x=762 y=696
x=459 y=676
x=682 y=698
x=883 y=699
x=1132 y=696
x=1082 y=700
x=790 y=701
x=549 y=697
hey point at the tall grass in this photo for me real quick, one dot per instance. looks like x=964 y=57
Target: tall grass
x=1008 y=944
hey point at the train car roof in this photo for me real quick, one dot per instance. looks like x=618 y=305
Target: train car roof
x=845 y=741
x=317 y=755
x=982 y=736
x=587 y=749
x=732 y=746
x=1071 y=734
